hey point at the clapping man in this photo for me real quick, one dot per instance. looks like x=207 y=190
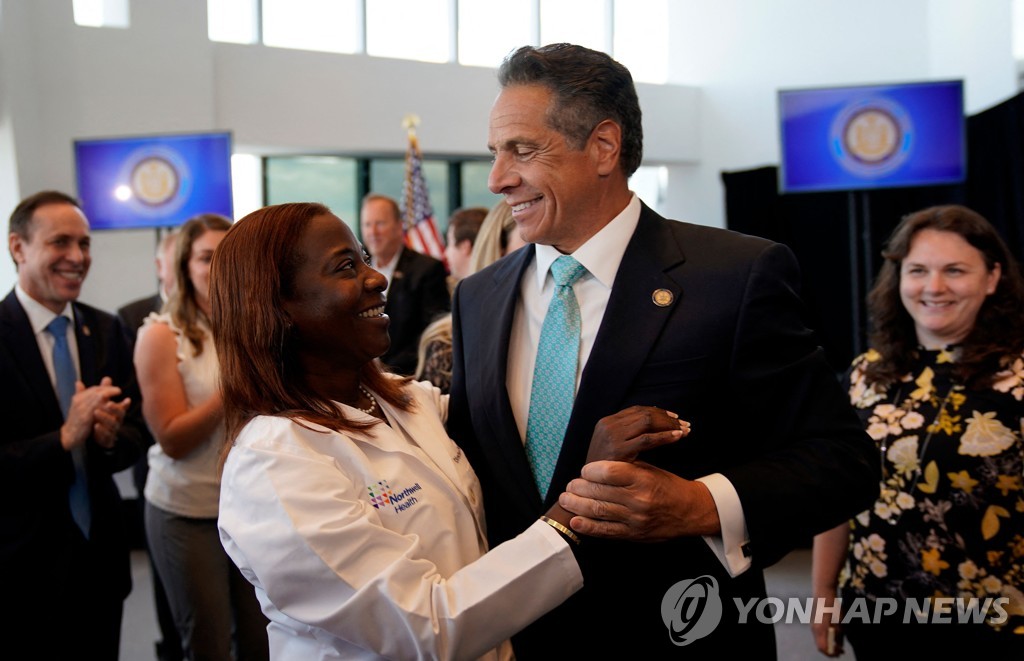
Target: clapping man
x=70 y=413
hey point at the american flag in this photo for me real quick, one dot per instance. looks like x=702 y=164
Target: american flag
x=418 y=216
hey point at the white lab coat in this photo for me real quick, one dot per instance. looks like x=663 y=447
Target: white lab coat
x=408 y=579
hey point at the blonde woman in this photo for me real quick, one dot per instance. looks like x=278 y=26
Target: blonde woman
x=214 y=607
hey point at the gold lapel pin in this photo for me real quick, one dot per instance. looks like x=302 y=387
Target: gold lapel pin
x=85 y=331
x=662 y=297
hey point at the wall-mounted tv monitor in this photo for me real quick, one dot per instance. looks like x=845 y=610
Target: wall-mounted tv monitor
x=153 y=180
x=872 y=136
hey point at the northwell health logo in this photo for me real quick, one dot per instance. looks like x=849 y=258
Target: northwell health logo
x=691 y=609
x=382 y=494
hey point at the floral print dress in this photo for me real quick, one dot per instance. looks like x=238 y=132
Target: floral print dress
x=949 y=520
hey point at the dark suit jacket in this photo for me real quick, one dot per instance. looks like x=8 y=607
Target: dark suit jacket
x=50 y=573
x=731 y=355
x=417 y=295
x=134 y=313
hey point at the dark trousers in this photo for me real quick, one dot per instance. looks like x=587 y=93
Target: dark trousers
x=215 y=609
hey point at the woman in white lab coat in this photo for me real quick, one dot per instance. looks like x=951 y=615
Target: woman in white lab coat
x=343 y=501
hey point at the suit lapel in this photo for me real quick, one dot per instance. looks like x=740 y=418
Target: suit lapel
x=21 y=344
x=631 y=325
x=408 y=262
x=497 y=313
x=84 y=335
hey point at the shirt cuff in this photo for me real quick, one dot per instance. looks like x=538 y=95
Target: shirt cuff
x=732 y=547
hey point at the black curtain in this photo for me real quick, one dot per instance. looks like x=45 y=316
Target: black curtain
x=837 y=265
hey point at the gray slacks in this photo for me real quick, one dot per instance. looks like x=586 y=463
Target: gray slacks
x=215 y=609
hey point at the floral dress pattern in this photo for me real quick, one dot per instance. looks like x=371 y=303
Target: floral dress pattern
x=437 y=366
x=949 y=520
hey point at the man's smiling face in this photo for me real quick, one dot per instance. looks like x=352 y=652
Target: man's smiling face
x=551 y=187
x=54 y=259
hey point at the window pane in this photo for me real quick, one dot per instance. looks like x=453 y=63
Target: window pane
x=409 y=29
x=387 y=176
x=333 y=26
x=246 y=184
x=1017 y=29
x=474 y=185
x=581 y=22
x=330 y=180
x=101 y=13
x=641 y=39
x=485 y=41
x=233 y=21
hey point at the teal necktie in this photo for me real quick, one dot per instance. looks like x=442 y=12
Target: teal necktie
x=64 y=369
x=554 y=374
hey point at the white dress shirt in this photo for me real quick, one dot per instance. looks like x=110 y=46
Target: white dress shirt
x=39 y=317
x=388 y=269
x=601 y=256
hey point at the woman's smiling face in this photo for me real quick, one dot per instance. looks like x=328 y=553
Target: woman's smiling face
x=336 y=300
x=943 y=283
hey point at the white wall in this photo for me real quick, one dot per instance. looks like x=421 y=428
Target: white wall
x=740 y=52
x=59 y=82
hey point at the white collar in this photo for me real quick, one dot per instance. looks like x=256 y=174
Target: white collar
x=40 y=316
x=602 y=253
x=391 y=265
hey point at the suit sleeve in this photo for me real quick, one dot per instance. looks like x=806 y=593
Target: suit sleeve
x=34 y=466
x=435 y=299
x=35 y=459
x=431 y=299
x=814 y=466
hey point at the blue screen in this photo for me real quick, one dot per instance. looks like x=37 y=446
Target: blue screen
x=153 y=181
x=850 y=138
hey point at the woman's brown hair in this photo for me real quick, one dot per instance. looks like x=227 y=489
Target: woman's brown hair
x=253 y=268
x=997 y=333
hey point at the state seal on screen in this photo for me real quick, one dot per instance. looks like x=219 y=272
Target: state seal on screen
x=872 y=137
x=154 y=180
x=159 y=181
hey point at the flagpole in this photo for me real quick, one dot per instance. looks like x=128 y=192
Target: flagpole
x=421 y=233
x=409 y=123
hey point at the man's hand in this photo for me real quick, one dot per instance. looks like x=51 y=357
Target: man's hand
x=93 y=411
x=639 y=502
x=624 y=435
x=108 y=422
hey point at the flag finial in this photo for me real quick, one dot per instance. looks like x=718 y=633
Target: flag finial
x=410 y=122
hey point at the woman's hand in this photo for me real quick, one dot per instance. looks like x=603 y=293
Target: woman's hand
x=624 y=435
x=828 y=635
x=828 y=556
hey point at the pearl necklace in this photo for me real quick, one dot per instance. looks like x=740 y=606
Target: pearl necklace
x=373 y=401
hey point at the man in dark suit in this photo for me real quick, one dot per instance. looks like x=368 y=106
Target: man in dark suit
x=702 y=322
x=417 y=287
x=63 y=551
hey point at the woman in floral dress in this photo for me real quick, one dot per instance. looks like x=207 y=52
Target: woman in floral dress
x=942 y=394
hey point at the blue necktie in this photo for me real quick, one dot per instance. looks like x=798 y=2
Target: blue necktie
x=554 y=374
x=64 y=369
